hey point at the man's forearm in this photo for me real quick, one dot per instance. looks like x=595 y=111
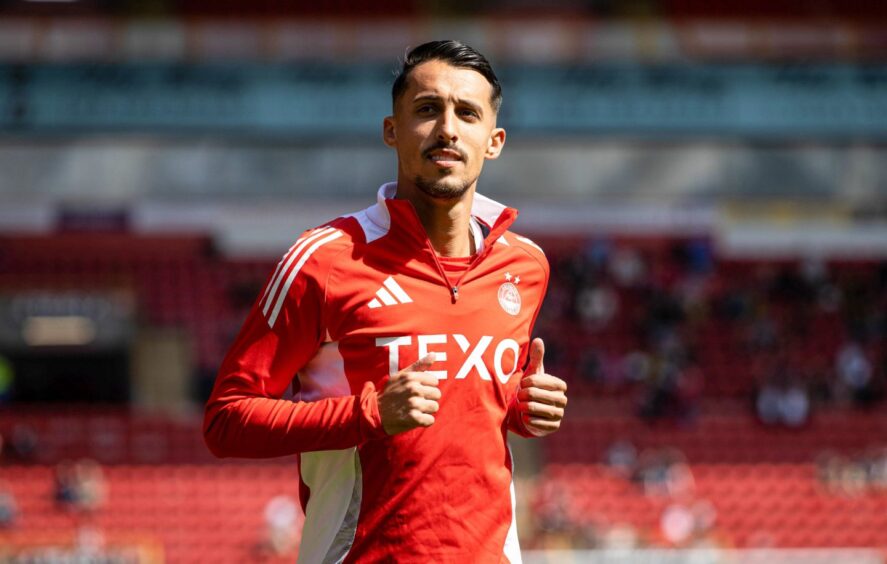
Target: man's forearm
x=261 y=427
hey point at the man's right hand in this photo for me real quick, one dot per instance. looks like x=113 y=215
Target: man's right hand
x=409 y=399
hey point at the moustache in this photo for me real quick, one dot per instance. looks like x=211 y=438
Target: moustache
x=438 y=146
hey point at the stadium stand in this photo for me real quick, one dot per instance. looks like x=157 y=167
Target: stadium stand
x=718 y=399
x=671 y=300
x=764 y=486
x=164 y=512
x=660 y=298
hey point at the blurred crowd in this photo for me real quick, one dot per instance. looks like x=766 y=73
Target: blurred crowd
x=562 y=517
x=79 y=490
x=80 y=486
x=668 y=322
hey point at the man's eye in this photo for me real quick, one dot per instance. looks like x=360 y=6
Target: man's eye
x=426 y=109
x=469 y=113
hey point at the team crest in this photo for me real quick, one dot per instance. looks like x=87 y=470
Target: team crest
x=509 y=297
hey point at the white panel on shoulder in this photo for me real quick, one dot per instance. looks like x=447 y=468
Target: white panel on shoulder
x=369 y=222
x=375 y=220
x=335 y=481
x=529 y=242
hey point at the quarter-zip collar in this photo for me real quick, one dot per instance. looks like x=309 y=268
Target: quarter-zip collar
x=389 y=212
x=399 y=219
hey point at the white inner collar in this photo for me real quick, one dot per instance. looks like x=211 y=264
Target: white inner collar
x=482 y=209
x=477 y=234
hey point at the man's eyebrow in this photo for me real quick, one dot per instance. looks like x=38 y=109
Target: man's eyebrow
x=437 y=98
x=427 y=98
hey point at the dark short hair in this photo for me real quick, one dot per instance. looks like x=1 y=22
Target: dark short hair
x=454 y=53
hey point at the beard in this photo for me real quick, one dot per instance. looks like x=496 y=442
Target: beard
x=441 y=189
x=446 y=187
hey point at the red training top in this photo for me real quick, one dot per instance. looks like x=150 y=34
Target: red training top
x=353 y=301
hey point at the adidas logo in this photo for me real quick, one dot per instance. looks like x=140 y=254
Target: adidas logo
x=390 y=294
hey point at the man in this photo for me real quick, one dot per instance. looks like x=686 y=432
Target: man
x=403 y=329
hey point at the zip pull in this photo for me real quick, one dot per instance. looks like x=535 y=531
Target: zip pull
x=455 y=291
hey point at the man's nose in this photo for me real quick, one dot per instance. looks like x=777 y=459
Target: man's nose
x=446 y=127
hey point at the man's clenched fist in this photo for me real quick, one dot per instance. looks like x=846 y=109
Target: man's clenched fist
x=409 y=399
x=542 y=397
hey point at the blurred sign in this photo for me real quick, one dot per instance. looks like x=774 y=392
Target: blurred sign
x=550 y=39
x=767 y=100
x=95 y=320
x=93 y=218
x=787 y=229
x=349 y=99
x=218 y=98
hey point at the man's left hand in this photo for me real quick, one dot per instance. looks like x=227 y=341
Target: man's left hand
x=542 y=397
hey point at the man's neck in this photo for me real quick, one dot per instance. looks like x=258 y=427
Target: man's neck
x=447 y=223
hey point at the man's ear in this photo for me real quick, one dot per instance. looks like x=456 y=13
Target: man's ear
x=388 y=135
x=497 y=141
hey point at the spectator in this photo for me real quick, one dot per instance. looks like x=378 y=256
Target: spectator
x=65 y=488
x=8 y=507
x=676 y=525
x=854 y=374
x=783 y=401
x=23 y=444
x=664 y=472
x=282 y=526
x=636 y=366
x=795 y=405
x=763 y=333
x=674 y=384
x=684 y=524
x=590 y=365
x=91 y=485
x=80 y=486
x=621 y=458
x=627 y=267
x=597 y=306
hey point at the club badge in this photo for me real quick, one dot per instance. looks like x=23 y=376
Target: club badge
x=509 y=297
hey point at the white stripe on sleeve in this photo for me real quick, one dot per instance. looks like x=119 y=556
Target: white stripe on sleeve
x=281 y=272
x=295 y=271
x=280 y=265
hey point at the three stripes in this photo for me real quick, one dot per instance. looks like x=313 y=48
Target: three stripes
x=286 y=273
x=384 y=296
